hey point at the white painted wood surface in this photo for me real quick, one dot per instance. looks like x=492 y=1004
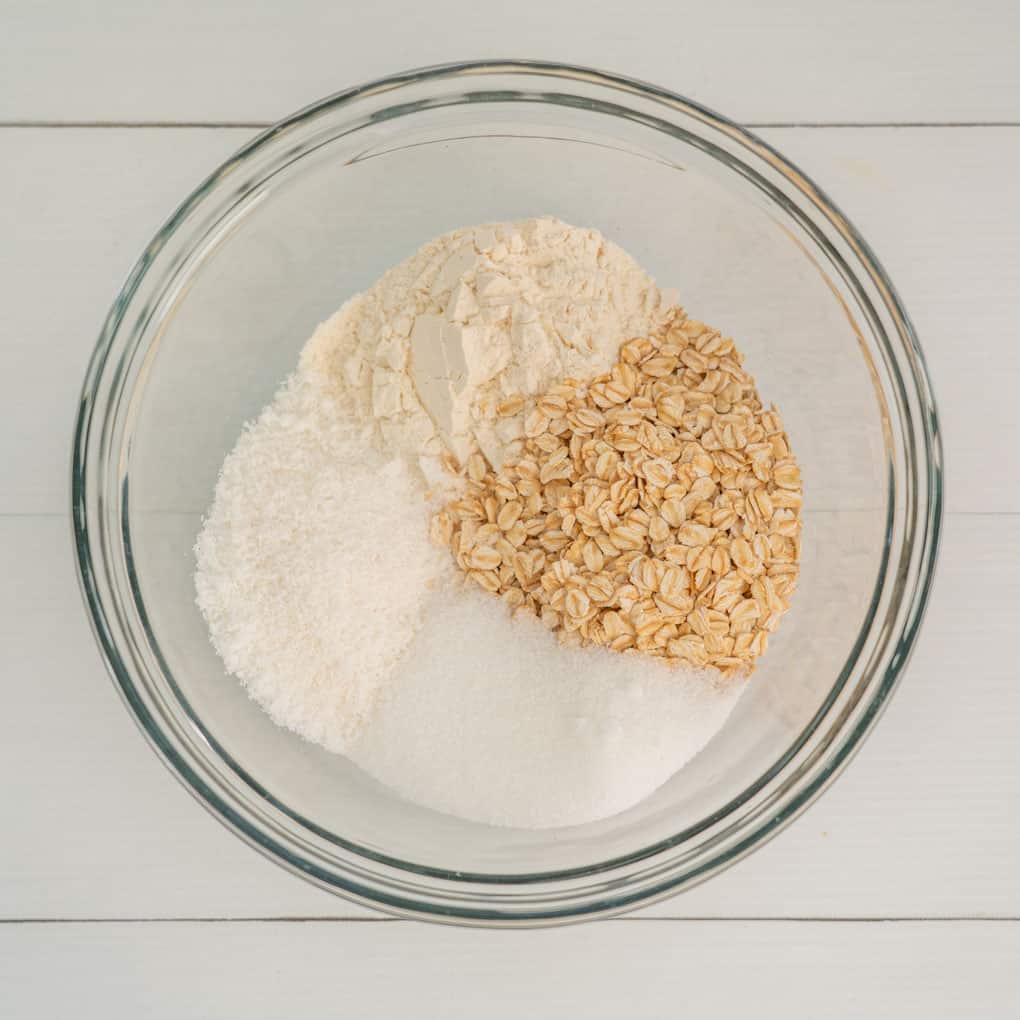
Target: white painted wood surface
x=919 y=826
x=257 y=60
x=938 y=205
x=637 y=970
x=97 y=835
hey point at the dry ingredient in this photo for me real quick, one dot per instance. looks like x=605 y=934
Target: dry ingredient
x=649 y=505
x=313 y=565
x=511 y=728
x=447 y=348
x=655 y=508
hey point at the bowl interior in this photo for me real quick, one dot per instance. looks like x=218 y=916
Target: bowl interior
x=324 y=224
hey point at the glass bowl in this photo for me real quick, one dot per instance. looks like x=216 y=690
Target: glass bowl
x=214 y=314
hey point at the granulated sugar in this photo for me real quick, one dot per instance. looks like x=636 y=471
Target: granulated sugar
x=313 y=565
x=489 y=718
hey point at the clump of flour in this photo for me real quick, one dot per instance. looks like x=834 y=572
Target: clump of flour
x=314 y=564
x=490 y=719
x=441 y=348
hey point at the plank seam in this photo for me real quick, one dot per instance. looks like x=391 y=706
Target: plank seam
x=285 y=919
x=262 y=124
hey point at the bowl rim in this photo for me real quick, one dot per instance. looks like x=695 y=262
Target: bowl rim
x=92 y=550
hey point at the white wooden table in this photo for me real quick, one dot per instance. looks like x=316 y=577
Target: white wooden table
x=897 y=895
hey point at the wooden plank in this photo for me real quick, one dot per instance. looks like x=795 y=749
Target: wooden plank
x=140 y=843
x=918 y=826
x=391 y=969
x=792 y=60
x=937 y=207
x=81 y=207
x=98 y=195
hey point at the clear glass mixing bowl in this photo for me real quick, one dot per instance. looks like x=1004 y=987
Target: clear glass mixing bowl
x=212 y=318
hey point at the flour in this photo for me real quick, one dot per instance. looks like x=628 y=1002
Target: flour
x=476 y=319
x=313 y=565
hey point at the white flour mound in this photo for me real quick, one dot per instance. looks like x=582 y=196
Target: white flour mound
x=477 y=316
x=314 y=564
x=490 y=719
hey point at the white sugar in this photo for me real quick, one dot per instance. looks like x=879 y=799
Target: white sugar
x=489 y=718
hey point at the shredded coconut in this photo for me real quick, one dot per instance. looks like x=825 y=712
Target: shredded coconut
x=478 y=316
x=313 y=565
